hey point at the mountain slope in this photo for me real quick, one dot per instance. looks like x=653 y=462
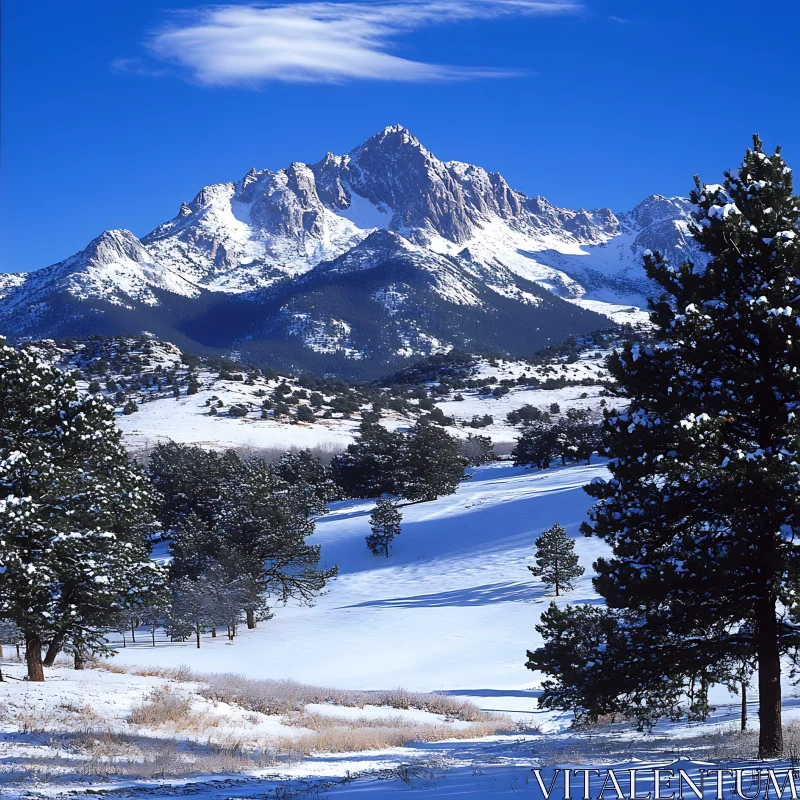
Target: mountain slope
x=383 y=254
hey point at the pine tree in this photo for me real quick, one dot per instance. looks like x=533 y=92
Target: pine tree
x=75 y=512
x=703 y=509
x=369 y=467
x=130 y=407
x=385 y=523
x=577 y=437
x=431 y=464
x=242 y=516
x=556 y=560
x=537 y=445
x=305 y=414
x=301 y=468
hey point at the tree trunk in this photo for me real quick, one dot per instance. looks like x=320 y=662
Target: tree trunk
x=214 y=632
x=744 y=705
x=153 y=631
x=197 y=633
x=33 y=655
x=770 y=741
x=133 y=633
x=251 y=619
x=80 y=658
x=56 y=643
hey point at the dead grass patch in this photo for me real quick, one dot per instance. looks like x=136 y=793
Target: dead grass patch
x=335 y=735
x=267 y=696
x=162 y=706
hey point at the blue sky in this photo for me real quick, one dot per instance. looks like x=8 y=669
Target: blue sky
x=115 y=112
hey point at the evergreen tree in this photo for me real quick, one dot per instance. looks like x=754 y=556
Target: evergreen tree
x=242 y=516
x=577 y=437
x=130 y=407
x=75 y=512
x=301 y=468
x=702 y=510
x=385 y=523
x=556 y=560
x=305 y=414
x=537 y=445
x=193 y=386
x=431 y=463
x=369 y=467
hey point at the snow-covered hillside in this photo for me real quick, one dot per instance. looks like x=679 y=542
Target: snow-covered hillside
x=452 y=610
x=234 y=407
x=380 y=255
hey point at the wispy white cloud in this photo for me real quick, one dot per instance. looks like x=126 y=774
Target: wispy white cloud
x=323 y=42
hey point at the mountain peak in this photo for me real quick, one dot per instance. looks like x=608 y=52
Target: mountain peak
x=393 y=138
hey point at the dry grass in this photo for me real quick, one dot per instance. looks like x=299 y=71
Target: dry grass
x=285 y=696
x=102 y=753
x=336 y=735
x=215 y=740
x=163 y=705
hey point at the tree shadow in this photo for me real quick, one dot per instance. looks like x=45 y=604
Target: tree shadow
x=488 y=594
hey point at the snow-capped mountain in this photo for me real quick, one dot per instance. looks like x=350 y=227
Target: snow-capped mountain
x=378 y=255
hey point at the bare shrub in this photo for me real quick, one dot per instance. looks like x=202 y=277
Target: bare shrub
x=502 y=450
x=791 y=742
x=162 y=706
x=325 y=452
x=283 y=697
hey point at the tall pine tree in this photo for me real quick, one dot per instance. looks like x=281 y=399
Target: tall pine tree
x=702 y=508
x=74 y=514
x=556 y=559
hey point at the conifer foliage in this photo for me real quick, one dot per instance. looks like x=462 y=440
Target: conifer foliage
x=385 y=524
x=556 y=560
x=431 y=463
x=703 y=508
x=422 y=465
x=247 y=518
x=74 y=515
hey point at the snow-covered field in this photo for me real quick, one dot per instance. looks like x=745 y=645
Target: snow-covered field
x=452 y=610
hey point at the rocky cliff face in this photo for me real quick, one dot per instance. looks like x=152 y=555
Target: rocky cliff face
x=460 y=236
